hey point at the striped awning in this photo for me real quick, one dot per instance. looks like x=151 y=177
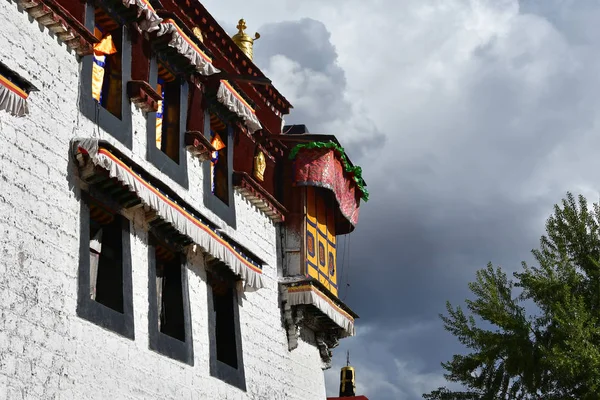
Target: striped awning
x=184 y=219
x=150 y=20
x=13 y=99
x=186 y=47
x=307 y=293
x=230 y=98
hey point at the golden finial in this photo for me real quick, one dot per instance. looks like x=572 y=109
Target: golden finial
x=243 y=40
x=348 y=379
x=198 y=33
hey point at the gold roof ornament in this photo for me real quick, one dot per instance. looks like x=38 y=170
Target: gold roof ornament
x=198 y=33
x=347 y=379
x=243 y=40
x=260 y=165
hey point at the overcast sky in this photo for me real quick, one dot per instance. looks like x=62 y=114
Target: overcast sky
x=470 y=118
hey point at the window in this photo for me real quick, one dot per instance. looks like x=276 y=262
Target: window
x=169 y=296
x=166 y=128
x=219 y=138
x=107 y=71
x=14 y=91
x=105 y=74
x=218 y=188
x=226 y=347
x=224 y=324
x=105 y=293
x=169 y=314
x=168 y=115
x=106 y=253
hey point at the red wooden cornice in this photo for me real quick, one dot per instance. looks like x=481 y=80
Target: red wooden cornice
x=58 y=20
x=259 y=196
x=195 y=14
x=198 y=145
x=143 y=95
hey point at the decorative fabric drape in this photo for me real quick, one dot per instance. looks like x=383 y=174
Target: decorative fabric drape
x=186 y=47
x=151 y=20
x=218 y=144
x=159 y=113
x=186 y=223
x=320 y=167
x=95 y=250
x=12 y=98
x=230 y=98
x=308 y=294
x=105 y=47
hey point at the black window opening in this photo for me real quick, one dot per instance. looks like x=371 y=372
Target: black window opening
x=224 y=327
x=168 y=117
x=169 y=322
x=223 y=303
x=165 y=128
x=219 y=137
x=107 y=70
x=16 y=79
x=217 y=183
x=104 y=73
x=106 y=257
x=169 y=294
x=105 y=285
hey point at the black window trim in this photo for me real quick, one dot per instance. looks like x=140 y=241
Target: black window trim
x=175 y=171
x=120 y=129
x=211 y=201
x=89 y=309
x=218 y=369
x=158 y=341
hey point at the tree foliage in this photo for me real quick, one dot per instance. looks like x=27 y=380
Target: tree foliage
x=553 y=354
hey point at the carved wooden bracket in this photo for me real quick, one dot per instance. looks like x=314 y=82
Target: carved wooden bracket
x=58 y=20
x=143 y=95
x=259 y=196
x=198 y=145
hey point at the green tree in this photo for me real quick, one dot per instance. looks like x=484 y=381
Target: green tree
x=553 y=354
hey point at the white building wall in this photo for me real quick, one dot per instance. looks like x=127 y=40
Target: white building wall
x=46 y=350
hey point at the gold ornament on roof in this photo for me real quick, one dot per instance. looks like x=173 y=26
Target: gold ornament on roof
x=243 y=40
x=260 y=165
x=198 y=33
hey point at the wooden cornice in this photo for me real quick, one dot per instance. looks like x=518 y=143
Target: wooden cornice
x=143 y=95
x=259 y=196
x=59 y=21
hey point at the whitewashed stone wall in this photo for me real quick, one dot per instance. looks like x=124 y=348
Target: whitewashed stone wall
x=46 y=351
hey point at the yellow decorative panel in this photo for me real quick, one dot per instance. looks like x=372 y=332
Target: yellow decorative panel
x=320 y=240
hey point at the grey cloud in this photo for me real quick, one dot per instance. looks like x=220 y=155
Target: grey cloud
x=485 y=113
x=301 y=54
x=306 y=41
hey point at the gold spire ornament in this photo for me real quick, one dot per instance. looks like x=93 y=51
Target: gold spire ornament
x=347 y=379
x=243 y=40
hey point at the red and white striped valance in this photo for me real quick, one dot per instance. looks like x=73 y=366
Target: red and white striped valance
x=308 y=294
x=151 y=20
x=182 y=219
x=230 y=98
x=186 y=47
x=13 y=99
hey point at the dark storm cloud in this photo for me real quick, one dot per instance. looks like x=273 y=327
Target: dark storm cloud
x=484 y=120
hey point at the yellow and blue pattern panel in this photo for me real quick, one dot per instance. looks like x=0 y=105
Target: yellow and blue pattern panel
x=320 y=240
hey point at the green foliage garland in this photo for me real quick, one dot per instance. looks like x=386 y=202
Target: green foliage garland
x=356 y=172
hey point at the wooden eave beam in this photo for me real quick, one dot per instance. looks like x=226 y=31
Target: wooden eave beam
x=58 y=20
x=220 y=41
x=259 y=196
